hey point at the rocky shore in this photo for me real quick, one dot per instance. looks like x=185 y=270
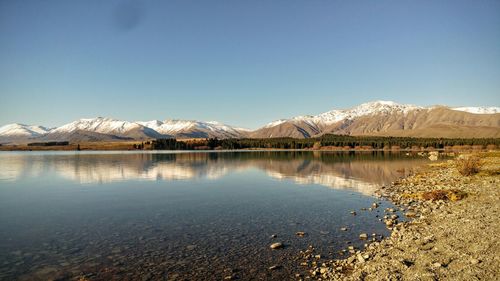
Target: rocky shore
x=450 y=233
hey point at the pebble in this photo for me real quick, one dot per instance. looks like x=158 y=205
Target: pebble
x=274 y=267
x=410 y=214
x=363 y=236
x=474 y=261
x=277 y=245
x=300 y=233
x=343 y=228
x=353 y=213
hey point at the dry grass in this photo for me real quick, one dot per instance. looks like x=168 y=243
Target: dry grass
x=468 y=165
x=119 y=145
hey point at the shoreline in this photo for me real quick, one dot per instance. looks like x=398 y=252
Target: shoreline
x=128 y=147
x=452 y=238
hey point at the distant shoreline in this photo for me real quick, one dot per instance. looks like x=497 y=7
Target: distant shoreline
x=128 y=147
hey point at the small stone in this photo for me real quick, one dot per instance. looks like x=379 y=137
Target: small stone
x=360 y=258
x=277 y=245
x=318 y=256
x=389 y=223
x=343 y=228
x=410 y=214
x=363 y=236
x=300 y=233
x=353 y=213
x=323 y=270
x=274 y=236
x=190 y=247
x=474 y=261
x=436 y=264
x=274 y=267
x=374 y=205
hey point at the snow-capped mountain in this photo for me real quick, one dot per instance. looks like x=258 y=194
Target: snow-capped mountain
x=369 y=108
x=98 y=125
x=479 y=109
x=15 y=133
x=372 y=118
x=193 y=129
x=108 y=129
x=309 y=125
x=390 y=118
x=100 y=128
x=22 y=130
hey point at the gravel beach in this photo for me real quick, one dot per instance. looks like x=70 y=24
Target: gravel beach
x=451 y=232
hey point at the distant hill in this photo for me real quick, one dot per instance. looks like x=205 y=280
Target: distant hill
x=390 y=119
x=378 y=118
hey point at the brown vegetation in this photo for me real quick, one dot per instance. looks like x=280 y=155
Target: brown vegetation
x=468 y=165
x=121 y=145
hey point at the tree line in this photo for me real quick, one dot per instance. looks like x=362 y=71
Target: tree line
x=341 y=141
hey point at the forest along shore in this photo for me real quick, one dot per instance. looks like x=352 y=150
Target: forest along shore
x=452 y=232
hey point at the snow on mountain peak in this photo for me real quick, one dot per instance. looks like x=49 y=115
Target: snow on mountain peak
x=17 y=129
x=479 y=109
x=337 y=115
x=173 y=126
x=99 y=125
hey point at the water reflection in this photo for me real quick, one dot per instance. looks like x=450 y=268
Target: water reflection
x=120 y=216
x=361 y=172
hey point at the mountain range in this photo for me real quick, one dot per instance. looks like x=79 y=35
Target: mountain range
x=384 y=118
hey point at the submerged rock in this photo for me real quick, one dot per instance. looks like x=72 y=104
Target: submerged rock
x=277 y=245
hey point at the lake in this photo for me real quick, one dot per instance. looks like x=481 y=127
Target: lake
x=185 y=215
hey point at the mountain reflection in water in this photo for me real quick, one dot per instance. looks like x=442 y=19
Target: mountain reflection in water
x=361 y=171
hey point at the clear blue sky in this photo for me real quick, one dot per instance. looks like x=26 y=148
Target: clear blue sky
x=241 y=62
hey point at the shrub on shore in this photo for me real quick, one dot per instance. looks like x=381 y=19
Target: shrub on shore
x=468 y=165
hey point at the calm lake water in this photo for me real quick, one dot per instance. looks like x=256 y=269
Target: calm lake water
x=184 y=216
